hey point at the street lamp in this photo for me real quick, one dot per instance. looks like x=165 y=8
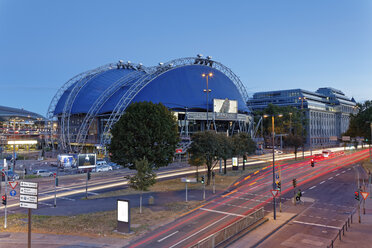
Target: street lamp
x=207 y=90
x=302 y=107
x=273 y=140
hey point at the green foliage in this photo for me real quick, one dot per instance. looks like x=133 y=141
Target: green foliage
x=145 y=176
x=144 y=130
x=360 y=123
x=295 y=141
x=243 y=144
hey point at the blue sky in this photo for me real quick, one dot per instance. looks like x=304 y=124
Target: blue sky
x=270 y=45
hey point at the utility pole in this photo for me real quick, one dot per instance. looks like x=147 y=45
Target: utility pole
x=273 y=134
x=6 y=197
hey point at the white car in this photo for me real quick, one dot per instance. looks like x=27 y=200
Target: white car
x=100 y=168
x=43 y=173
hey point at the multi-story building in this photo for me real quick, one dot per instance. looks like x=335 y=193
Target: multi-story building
x=327 y=110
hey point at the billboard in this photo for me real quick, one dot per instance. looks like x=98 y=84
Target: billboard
x=225 y=106
x=86 y=159
x=66 y=161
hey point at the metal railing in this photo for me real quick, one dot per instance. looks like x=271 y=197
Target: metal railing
x=226 y=233
x=341 y=231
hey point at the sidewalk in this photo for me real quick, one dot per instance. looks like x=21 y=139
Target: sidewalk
x=19 y=240
x=257 y=235
x=358 y=235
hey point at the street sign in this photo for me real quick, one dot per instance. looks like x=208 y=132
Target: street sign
x=13 y=192
x=178 y=150
x=13 y=184
x=28 y=195
x=276 y=176
x=345 y=138
x=28 y=205
x=274 y=192
x=28 y=198
x=364 y=195
x=28 y=191
x=28 y=185
x=188 y=180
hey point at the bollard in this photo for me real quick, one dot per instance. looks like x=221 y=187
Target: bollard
x=151 y=200
x=332 y=243
x=339 y=234
x=346 y=225
x=351 y=218
x=343 y=230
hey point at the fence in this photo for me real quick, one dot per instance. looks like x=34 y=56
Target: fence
x=224 y=234
x=341 y=231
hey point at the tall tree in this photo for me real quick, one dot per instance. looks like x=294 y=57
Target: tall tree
x=295 y=141
x=243 y=145
x=226 y=149
x=144 y=130
x=206 y=145
x=143 y=179
x=360 y=123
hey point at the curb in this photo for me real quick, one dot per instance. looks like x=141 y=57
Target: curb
x=273 y=231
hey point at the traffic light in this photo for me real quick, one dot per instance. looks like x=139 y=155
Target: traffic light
x=56 y=181
x=245 y=158
x=88 y=175
x=2 y=176
x=4 y=199
x=356 y=195
x=294 y=182
x=202 y=180
x=279 y=185
x=312 y=162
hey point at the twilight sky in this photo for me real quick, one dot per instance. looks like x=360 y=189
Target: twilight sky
x=269 y=44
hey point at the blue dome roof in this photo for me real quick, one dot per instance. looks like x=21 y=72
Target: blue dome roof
x=176 y=88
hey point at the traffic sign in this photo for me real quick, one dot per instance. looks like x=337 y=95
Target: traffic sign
x=28 y=205
x=28 y=191
x=179 y=150
x=276 y=176
x=364 y=195
x=28 y=198
x=188 y=180
x=28 y=184
x=13 y=184
x=274 y=192
x=13 y=192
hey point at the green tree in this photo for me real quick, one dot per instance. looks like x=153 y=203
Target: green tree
x=143 y=179
x=197 y=161
x=205 y=145
x=359 y=125
x=225 y=149
x=144 y=130
x=295 y=141
x=243 y=145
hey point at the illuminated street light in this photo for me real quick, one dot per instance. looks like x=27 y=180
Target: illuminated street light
x=207 y=90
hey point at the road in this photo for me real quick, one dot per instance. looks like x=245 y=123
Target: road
x=247 y=195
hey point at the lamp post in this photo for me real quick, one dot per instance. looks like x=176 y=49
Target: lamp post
x=273 y=140
x=302 y=108
x=207 y=90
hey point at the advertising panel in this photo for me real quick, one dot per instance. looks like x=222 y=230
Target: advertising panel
x=87 y=159
x=225 y=106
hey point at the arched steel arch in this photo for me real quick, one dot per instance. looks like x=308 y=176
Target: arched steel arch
x=141 y=83
x=50 y=113
x=101 y=100
x=66 y=113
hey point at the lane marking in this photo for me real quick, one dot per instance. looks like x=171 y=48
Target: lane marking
x=315 y=224
x=251 y=183
x=322 y=182
x=343 y=171
x=256 y=172
x=201 y=230
x=330 y=178
x=44 y=203
x=167 y=236
x=337 y=174
x=247 y=177
x=232 y=192
x=312 y=187
x=66 y=198
x=221 y=212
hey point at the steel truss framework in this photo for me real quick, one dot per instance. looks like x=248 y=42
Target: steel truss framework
x=134 y=81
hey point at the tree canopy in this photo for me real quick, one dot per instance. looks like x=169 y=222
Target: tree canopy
x=145 y=130
x=360 y=123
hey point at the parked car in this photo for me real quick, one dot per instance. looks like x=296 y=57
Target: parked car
x=100 y=168
x=43 y=173
x=114 y=166
x=101 y=162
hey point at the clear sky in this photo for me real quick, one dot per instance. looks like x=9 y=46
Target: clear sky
x=270 y=45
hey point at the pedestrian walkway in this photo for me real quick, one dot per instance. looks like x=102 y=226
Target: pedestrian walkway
x=359 y=234
x=19 y=240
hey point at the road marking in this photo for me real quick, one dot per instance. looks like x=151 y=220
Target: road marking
x=349 y=169
x=256 y=172
x=92 y=193
x=322 y=182
x=251 y=183
x=221 y=212
x=66 y=198
x=330 y=178
x=232 y=192
x=167 y=236
x=201 y=230
x=315 y=224
x=247 y=177
x=343 y=171
x=43 y=203
x=312 y=187
x=337 y=174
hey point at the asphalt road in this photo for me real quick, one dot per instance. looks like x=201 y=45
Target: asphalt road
x=247 y=195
